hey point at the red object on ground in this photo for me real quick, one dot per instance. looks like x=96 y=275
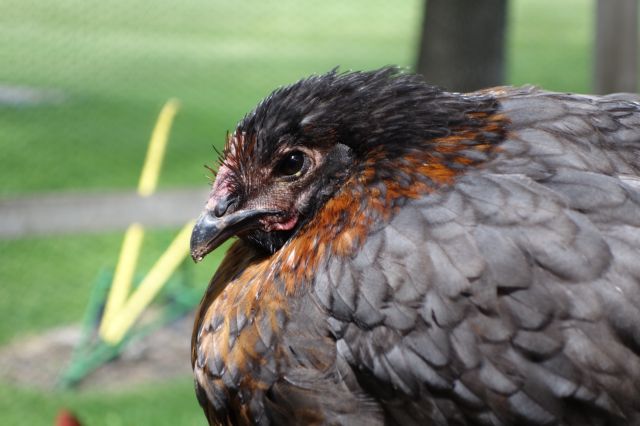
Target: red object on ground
x=66 y=418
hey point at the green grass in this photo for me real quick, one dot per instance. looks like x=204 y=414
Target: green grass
x=550 y=44
x=172 y=403
x=117 y=62
x=47 y=281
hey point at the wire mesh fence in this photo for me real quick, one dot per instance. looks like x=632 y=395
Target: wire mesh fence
x=81 y=85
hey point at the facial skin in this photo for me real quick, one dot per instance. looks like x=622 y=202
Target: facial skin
x=266 y=202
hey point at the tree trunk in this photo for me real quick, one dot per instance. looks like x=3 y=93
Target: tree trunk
x=462 y=44
x=616 y=56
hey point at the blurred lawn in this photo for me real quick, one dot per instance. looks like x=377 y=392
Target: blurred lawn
x=172 y=403
x=117 y=62
x=550 y=44
x=47 y=281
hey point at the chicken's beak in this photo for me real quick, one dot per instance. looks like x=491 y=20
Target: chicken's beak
x=211 y=231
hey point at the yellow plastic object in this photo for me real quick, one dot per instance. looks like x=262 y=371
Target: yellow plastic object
x=123 y=276
x=149 y=287
x=122 y=310
x=157 y=145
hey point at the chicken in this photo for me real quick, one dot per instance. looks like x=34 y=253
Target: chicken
x=406 y=255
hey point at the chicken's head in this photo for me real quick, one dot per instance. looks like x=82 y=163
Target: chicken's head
x=299 y=145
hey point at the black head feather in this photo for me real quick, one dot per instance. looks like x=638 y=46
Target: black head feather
x=360 y=109
x=346 y=116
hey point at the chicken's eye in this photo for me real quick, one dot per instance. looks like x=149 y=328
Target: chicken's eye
x=291 y=164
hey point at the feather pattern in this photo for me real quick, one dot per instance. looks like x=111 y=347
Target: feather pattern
x=479 y=267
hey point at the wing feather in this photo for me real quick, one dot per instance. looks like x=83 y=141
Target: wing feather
x=515 y=291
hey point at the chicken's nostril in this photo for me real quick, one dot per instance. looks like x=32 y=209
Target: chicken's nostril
x=223 y=205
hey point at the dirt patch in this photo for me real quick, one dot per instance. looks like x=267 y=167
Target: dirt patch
x=37 y=361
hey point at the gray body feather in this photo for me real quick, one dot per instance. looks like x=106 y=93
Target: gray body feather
x=513 y=297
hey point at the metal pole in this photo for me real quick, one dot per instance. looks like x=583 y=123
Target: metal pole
x=616 y=46
x=462 y=45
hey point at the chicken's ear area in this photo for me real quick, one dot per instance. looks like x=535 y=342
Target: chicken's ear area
x=211 y=231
